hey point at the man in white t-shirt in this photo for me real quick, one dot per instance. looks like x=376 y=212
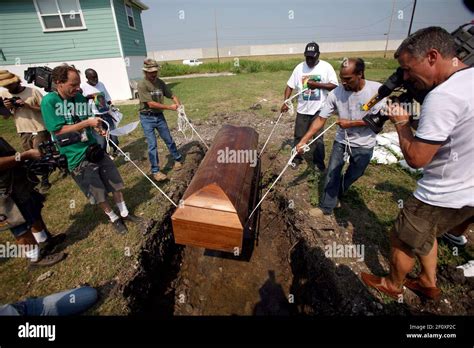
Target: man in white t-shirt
x=320 y=78
x=354 y=141
x=443 y=145
x=100 y=103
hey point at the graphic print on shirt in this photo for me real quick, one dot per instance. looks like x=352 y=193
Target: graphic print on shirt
x=157 y=96
x=101 y=103
x=311 y=94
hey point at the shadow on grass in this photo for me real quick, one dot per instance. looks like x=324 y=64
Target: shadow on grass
x=85 y=221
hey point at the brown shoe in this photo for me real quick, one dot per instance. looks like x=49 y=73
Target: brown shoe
x=177 y=165
x=159 y=176
x=427 y=292
x=376 y=283
x=48 y=260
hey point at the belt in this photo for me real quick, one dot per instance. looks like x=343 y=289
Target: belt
x=151 y=113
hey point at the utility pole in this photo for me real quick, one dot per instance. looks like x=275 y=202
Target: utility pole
x=389 y=28
x=217 y=38
x=411 y=20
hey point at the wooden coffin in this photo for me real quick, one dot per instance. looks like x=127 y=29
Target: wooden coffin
x=214 y=209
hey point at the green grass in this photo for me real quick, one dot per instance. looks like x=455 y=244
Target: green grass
x=375 y=64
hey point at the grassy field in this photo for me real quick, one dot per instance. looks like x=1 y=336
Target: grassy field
x=96 y=252
x=273 y=63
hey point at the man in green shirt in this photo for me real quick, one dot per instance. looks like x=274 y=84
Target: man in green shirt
x=67 y=111
x=151 y=91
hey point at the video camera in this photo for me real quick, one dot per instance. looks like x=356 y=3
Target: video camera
x=50 y=160
x=41 y=76
x=464 y=40
x=4 y=111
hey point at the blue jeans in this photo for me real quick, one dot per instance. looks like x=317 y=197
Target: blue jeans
x=335 y=184
x=67 y=302
x=100 y=139
x=149 y=124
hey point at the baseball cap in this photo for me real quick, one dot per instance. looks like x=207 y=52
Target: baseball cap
x=311 y=50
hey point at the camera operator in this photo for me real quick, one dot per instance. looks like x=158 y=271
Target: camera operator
x=354 y=140
x=20 y=208
x=24 y=104
x=442 y=145
x=65 y=112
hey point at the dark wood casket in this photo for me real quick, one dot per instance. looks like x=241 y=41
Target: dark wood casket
x=214 y=210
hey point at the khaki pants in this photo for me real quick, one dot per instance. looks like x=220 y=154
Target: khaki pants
x=32 y=141
x=418 y=224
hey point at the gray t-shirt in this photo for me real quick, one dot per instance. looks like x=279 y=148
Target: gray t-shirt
x=447 y=117
x=348 y=106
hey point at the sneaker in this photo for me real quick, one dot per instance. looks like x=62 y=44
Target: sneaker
x=338 y=205
x=177 y=165
x=468 y=268
x=49 y=244
x=318 y=212
x=134 y=219
x=119 y=226
x=459 y=241
x=48 y=260
x=319 y=170
x=159 y=176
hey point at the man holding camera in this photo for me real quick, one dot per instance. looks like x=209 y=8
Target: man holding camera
x=443 y=146
x=320 y=78
x=24 y=105
x=67 y=117
x=21 y=205
x=354 y=141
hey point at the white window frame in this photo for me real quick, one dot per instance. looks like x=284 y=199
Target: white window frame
x=127 y=4
x=60 y=14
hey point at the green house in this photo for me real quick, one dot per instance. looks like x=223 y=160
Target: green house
x=106 y=35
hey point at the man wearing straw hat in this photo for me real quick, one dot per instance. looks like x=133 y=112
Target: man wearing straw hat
x=26 y=113
x=151 y=91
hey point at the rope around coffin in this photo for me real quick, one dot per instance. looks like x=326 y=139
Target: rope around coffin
x=184 y=123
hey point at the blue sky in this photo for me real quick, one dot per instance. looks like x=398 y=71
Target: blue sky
x=181 y=24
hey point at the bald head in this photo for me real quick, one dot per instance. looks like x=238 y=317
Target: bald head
x=353 y=66
x=91 y=76
x=352 y=74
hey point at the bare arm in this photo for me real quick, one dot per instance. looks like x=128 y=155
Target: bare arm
x=9 y=162
x=316 y=125
x=287 y=94
x=90 y=122
x=176 y=100
x=328 y=86
x=417 y=153
x=156 y=105
x=343 y=123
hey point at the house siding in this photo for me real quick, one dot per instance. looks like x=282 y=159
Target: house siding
x=127 y=34
x=23 y=41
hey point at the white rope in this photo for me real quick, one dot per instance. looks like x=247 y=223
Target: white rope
x=183 y=123
x=107 y=138
x=306 y=148
x=291 y=111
